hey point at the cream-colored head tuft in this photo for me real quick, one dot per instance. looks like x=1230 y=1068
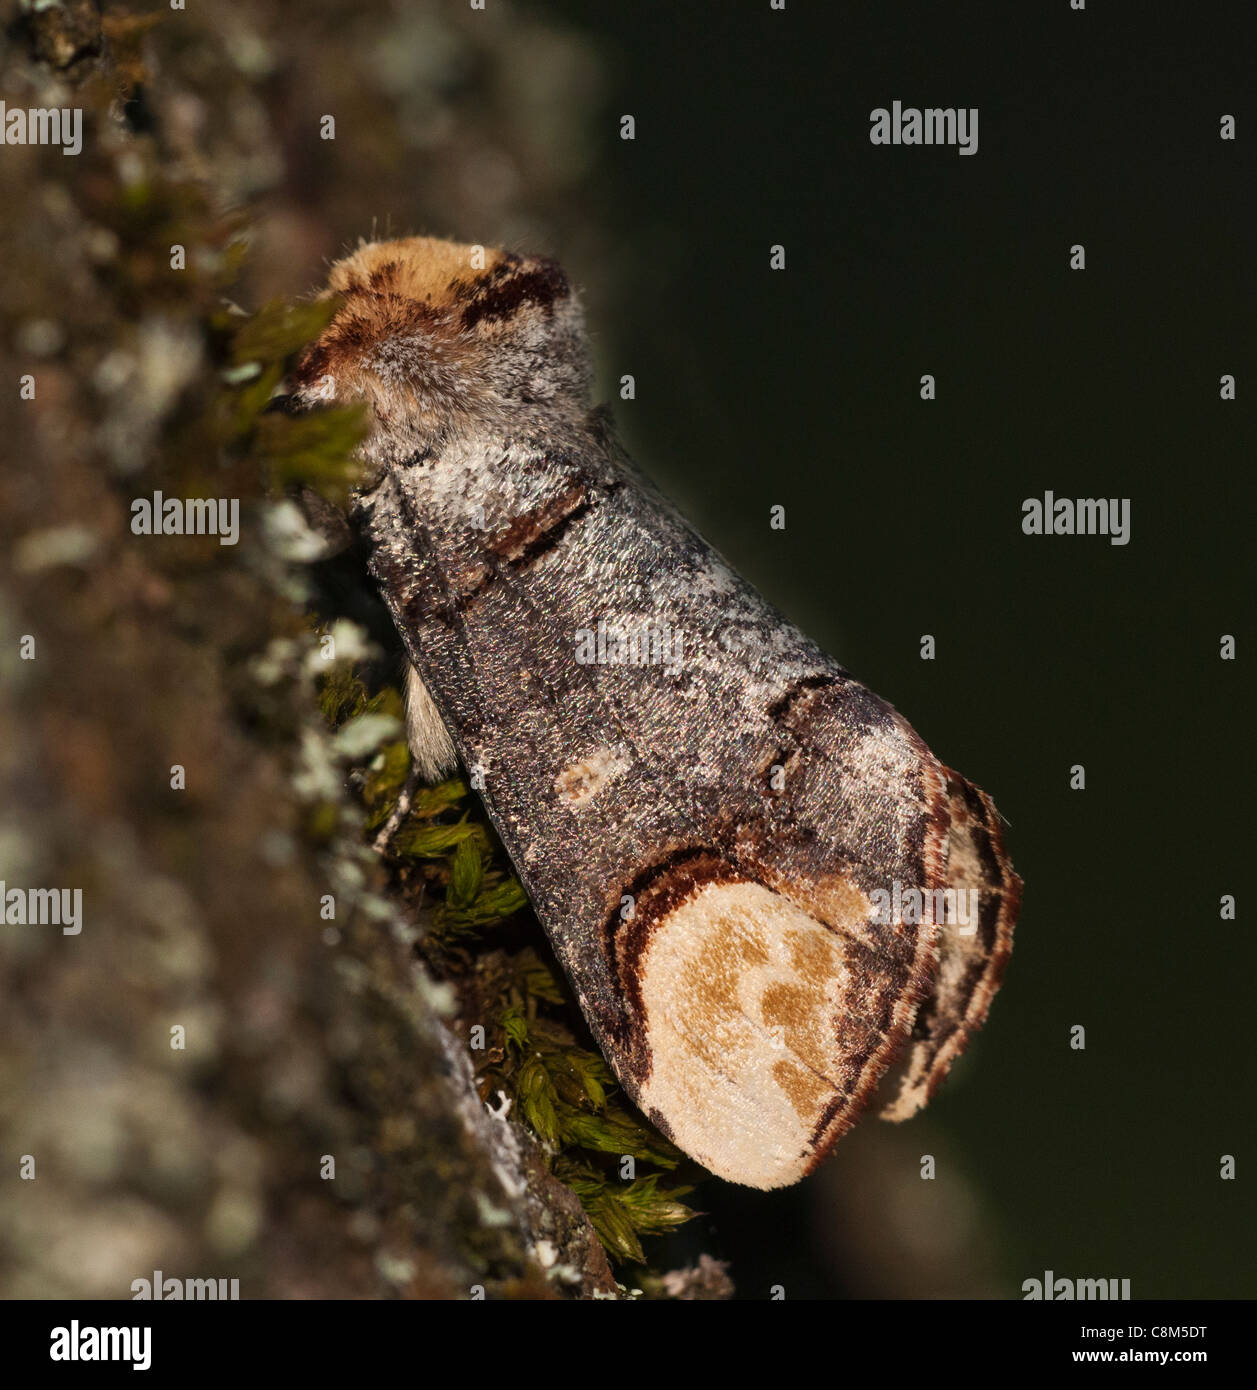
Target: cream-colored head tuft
x=426 y=268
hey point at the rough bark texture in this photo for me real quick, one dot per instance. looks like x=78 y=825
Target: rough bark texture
x=303 y=1039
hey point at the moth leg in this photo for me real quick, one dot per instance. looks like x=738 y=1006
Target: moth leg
x=431 y=751
x=430 y=744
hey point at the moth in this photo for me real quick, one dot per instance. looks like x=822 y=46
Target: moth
x=708 y=813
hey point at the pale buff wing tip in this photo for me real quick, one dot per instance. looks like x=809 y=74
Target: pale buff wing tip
x=743 y=995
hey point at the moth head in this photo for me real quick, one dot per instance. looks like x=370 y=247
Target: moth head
x=437 y=336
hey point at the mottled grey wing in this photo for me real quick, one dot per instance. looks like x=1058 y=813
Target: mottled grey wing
x=704 y=821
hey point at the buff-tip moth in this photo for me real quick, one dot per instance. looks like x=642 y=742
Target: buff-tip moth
x=764 y=887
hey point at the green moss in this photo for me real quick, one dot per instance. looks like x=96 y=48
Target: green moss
x=567 y=1095
x=279 y=330
x=342 y=696
x=315 y=450
x=384 y=782
x=622 y=1213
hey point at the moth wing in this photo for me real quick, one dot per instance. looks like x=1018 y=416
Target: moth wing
x=972 y=957
x=702 y=806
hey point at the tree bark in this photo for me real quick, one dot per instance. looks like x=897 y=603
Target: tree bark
x=210 y=1078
